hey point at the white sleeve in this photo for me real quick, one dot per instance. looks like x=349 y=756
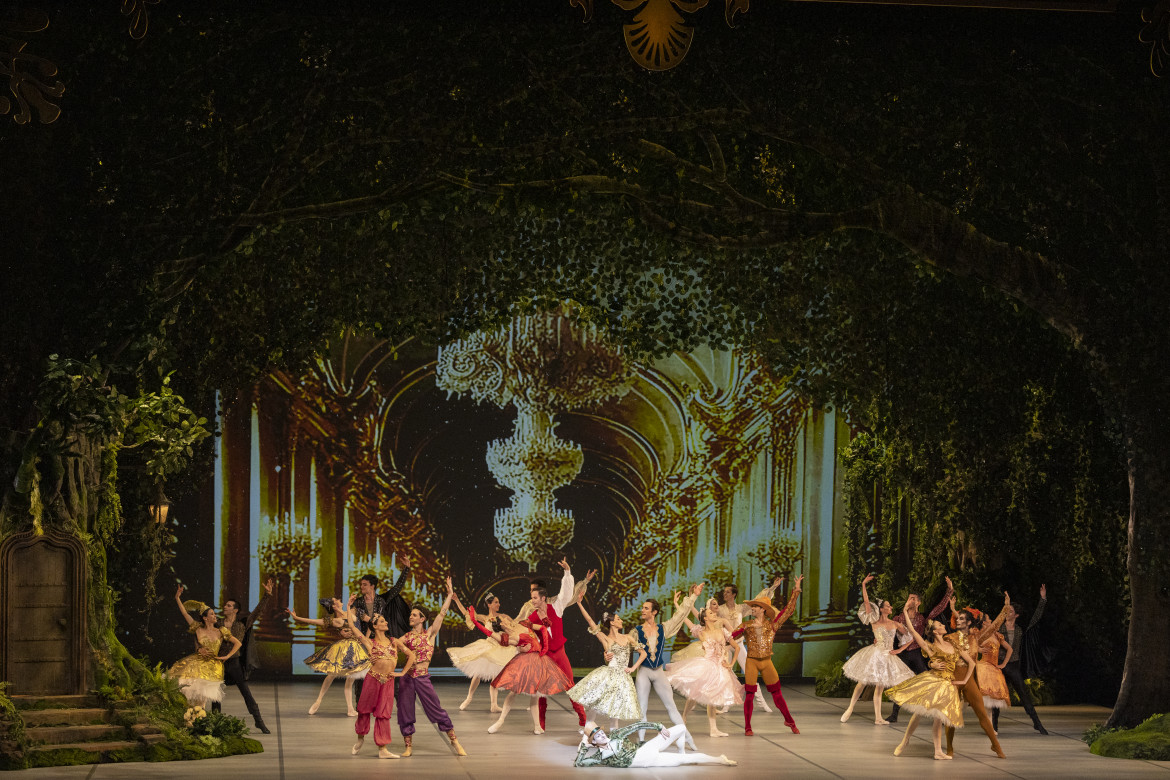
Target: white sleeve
x=565 y=597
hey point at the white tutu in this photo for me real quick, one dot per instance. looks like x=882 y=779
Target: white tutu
x=198 y=690
x=874 y=665
x=484 y=658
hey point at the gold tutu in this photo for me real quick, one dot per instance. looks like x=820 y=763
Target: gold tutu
x=200 y=678
x=343 y=658
x=932 y=694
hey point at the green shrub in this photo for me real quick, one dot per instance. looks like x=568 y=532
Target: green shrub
x=1043 y=692
x=13 y=741
x=217 y=725
x=831 y=682
x=1148 y=741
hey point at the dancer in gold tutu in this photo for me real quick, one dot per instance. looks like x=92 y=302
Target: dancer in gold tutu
x=933 y=694
x=609 y=689
x=344 y=657
x=200 y=675
x=483 y=659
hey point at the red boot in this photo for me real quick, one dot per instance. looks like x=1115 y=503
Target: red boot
x=778 y=699
x=542 y=704
x=580 y=713
x=749 y=704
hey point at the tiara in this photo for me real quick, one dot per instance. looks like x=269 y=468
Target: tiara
x=489 y=597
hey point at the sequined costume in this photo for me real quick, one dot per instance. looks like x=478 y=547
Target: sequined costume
x=344 y=657
x=932 y=694
x=416 y=685
x=483 y=659
x=873 y=665
x=616 y=751
x=201 y=678
x=992 y=684
x=759 y=636
x=608 y=689
x=377 y=699
x=707 y=680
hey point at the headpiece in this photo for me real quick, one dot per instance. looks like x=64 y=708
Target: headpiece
x=488 y=597
x=326 y=604
x=604 y=616
x=196 y=606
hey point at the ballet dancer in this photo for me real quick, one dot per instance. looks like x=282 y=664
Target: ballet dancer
x=875 y=665
x=908 y=650
x=377 y=697
x=200 y=675
x=530 y=671
x=483 y=659
x=969 y=638
x=707 y=680
x=616 y=751
x=759 y=635
x=417 y=683
x=735 y=614
x=608 y=690
x=344 y=657
x=1015 y=636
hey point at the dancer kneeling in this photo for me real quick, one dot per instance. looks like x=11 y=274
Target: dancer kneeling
x=933 y=694
x=615 y=750
x=377 y=697
x=608 y=689
x=874 y=665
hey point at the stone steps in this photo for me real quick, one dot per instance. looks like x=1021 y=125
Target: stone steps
x=81 y=730
x=78 y=701
x=64 y=717
x=61 y=735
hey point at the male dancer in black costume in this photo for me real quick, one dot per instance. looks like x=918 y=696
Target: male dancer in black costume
x=1016 y=636
x=233 y=669
x=389 y=604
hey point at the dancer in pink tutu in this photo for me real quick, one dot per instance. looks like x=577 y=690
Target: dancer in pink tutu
x=875 y=665
x=708 y=679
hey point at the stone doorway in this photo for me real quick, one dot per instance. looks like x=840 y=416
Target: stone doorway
x=43 y=580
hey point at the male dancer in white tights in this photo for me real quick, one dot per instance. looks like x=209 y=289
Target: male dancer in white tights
x=615 y=750
x=654 y=637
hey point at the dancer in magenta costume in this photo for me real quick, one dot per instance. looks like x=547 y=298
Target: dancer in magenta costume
x=377 y=699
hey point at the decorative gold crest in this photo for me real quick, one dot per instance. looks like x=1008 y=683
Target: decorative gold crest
x=18 y=67
x=1156 y=34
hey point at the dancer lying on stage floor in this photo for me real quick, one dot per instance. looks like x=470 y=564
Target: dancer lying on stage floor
x=616 y=750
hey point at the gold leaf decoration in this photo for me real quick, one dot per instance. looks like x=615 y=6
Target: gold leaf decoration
x=26 y=73
x=1156 y=34
x=139 y=19
x=659 y=37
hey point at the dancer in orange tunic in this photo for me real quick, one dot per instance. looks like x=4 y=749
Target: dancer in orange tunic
x=759 y=634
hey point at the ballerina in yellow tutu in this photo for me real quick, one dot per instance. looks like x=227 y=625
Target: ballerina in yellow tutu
x=933 y=694
x=200 y=675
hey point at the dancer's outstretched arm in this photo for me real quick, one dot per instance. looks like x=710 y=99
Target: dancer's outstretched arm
x=990 y=628
x=298 y=619
x=593 y=627
x=179 y=600
x=671 y=627
x=438 y=621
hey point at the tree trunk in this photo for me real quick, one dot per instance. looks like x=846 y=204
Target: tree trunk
x=1145 y=684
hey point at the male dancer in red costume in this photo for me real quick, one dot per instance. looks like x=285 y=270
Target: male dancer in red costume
x=549 y=613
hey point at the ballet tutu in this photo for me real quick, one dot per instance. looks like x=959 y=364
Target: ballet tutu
x=609 y=690
x=200 y=679
x=693 y=650
x=873 y=665
x=932 y=694
x=533 y=674
x=483 y=659
x=343 y=658
x=705 y=681
x=993 y=686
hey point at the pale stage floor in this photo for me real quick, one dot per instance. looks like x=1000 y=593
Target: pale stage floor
x=303 y=746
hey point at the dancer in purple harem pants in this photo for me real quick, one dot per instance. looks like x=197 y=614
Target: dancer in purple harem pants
x=417 y=684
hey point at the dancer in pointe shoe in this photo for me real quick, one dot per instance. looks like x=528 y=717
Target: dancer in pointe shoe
x=550 y=613
x=1022 y=640
x=483 y=659
x=531 y=671
x=344 y=657
x=609 y=690
x=615 y=750
x=934 y=694
x=707 y=680
x=200 y=675
x=417 y=683
x=969 y=637
x=377 y=697
x=908 y=649
x=875 y=665
x=759 y=635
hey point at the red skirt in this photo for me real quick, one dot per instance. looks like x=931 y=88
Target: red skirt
x=533 y=674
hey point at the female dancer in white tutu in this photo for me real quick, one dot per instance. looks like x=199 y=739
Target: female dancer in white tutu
x=874 y=665
x=483 y=659
x=608 y=689
x=707 y=680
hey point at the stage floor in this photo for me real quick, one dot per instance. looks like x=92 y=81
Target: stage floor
x=303 y=746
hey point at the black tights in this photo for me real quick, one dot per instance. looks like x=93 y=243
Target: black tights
x=1015 y=680
x=917 y=663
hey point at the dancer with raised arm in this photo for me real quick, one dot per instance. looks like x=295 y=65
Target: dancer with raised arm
x=875 y=665
x=417 y=683
x=389 y=604
x=1017 y=636
x=344 y=657
x=616 y=751
x=934 y=693
x=759 y=635
x=483 y=659
x=707 y=680
x=608 y=690
x=551 y=615
x=968 y=638
x=377 y=697
x=200 y=675
x=909 y=650
x=735 y=614
x=240 y=624
x=530 y=671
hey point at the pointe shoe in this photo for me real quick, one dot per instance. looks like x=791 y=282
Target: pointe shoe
x=718 y=733
x=456 y=748
x=357 y=745
x=495 y=708
x=881 y=723
x=384 y=752
x=943 y=757
x=727 y=761
x=352 y=713
x=316 y=706
x=690 y=743
x=492 y=729
x=408 y=743
x=998 y=753
x=538 y=731
x=722 y=710
x=846 y=715
x=466 y=703
x=901 y=746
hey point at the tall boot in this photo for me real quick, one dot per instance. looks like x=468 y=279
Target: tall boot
x=995 y=718
x=542 y=708
x=217 y=706
x=749 y=704
x=580 y=710
x=259 y=721
x=894 y=713
x=456 y=748
x=778 y=700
